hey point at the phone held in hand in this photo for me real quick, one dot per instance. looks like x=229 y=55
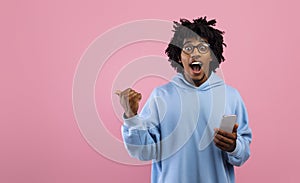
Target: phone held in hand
x=228 y=122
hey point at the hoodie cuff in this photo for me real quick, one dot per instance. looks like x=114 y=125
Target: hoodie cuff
x=133 y=122
x=237 y=151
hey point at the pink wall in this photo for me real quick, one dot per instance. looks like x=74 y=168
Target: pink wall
x=41 y=46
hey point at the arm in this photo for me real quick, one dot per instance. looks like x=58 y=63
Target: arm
x=237 y=143
x=244 y=136
x=141 y=132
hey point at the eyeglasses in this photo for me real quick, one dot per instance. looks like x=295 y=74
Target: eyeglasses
x=202 y=48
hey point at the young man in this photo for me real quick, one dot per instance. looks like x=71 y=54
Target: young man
x=178 y=128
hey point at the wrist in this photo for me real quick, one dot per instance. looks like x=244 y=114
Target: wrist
x=130 y=114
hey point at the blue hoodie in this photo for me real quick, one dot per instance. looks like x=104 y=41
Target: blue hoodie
x=175 y=129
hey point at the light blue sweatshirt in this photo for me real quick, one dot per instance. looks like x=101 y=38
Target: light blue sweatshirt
x=175 y=130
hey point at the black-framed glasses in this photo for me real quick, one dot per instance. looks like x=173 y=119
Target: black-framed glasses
x=189 y=48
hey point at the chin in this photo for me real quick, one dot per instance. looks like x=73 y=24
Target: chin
x=198 y=78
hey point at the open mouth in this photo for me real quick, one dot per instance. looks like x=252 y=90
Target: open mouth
x=196 y=66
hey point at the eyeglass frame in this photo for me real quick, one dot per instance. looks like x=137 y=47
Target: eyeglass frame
x=207 y=45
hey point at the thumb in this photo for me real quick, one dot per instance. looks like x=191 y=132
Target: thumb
x=235 y=127
x=118 y=92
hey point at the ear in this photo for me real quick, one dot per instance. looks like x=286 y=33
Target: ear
x=211 y=57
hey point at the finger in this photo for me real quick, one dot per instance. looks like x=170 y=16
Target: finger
x=118 y=92
x=135 y=97
x=125 y=94
x=224 y=139
x=131 y=92
x=127 y=91
x=221 y=144
x=226 y=134
x=139 y=96
x=235 y=128
x=221 y=147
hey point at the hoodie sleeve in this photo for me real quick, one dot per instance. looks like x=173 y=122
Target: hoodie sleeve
x=244 y=135
x=141 y=133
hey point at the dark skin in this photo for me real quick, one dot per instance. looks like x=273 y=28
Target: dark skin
x=224 y=140
x=130 y=99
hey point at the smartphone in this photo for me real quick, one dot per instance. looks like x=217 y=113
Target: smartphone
x=228 y=122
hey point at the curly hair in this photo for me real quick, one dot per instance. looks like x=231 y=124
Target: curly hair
x=199 y=27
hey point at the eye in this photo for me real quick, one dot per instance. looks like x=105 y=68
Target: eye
x=188 y=48
x=202 y=48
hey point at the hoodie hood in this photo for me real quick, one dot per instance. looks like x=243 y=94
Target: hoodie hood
x=213 y=81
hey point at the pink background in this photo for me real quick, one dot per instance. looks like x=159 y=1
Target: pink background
x=41 y=45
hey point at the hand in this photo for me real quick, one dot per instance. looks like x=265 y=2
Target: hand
x=129 y=100
x=224 y=140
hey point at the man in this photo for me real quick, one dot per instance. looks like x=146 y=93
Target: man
x=178 y=128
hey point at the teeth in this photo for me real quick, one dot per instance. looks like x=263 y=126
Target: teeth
x=196 y=63
x=196 y=66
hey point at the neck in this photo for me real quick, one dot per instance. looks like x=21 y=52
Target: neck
x=196 y=82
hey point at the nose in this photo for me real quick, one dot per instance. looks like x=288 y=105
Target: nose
x=195 y=56
x=195 y=53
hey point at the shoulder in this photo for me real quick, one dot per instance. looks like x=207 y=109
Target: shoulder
x=231 y=90
x=233 y=93
x=163 y=90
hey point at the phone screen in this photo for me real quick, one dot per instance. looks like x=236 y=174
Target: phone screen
x=228 y=122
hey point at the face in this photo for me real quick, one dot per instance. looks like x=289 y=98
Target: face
x=195 y=58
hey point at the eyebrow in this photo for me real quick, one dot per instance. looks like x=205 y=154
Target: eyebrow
x=201 y=41
x=187 y=42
